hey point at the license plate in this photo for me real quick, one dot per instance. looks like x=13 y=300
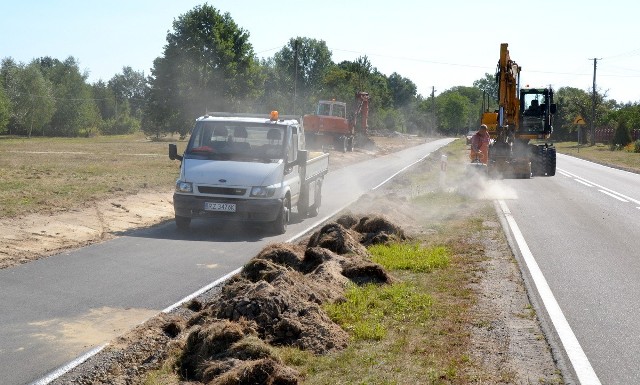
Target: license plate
x=213 y=206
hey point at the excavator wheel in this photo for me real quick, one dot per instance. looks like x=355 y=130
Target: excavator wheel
x=538 y=160
x=550 y=161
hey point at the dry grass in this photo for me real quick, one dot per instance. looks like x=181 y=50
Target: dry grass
x=600 y=153
x=48 y=175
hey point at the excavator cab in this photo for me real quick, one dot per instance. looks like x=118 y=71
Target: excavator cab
x=536 y=109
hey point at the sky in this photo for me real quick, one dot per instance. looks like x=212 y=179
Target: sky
x=436 y=44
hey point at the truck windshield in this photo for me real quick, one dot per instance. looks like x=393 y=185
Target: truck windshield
x=236 y=140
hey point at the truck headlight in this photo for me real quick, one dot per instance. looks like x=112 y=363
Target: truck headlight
x=262 y=191
x=184 y=187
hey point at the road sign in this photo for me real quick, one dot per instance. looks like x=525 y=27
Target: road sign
x=579 y=121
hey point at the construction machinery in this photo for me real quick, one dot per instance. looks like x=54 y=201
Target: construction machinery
x=330 y=126
x=521 y=125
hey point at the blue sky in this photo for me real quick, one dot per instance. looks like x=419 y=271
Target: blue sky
x=439 y=44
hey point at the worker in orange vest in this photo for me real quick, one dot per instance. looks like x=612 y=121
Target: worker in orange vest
x=480 y=145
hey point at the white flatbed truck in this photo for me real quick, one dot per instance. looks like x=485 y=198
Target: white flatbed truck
x=247 y=168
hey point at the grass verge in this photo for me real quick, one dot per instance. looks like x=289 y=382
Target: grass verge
x=415 y=330
x=600 y=153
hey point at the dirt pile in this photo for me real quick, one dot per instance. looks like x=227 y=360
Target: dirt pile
x=277 y=301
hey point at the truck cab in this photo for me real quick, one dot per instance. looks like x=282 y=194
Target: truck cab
x=247 y=168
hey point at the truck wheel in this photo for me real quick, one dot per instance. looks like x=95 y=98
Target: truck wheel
x=279 y=226
x=550 y=161
x=182 y=223
x=537 y=161
x=350 y=144
x=314 y=209
x=341 y=143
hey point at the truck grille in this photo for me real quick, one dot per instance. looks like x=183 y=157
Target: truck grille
x=221 y=190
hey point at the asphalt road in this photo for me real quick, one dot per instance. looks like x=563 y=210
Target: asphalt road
x=49 y=307
x=582 y=226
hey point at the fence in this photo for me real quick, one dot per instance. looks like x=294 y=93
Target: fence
x=604 y=135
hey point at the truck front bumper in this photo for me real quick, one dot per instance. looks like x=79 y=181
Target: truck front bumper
x=247 y=210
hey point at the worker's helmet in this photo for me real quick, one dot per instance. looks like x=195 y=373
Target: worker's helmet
x=483 y=126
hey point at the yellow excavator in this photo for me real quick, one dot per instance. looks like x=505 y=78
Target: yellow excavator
x=521 y=125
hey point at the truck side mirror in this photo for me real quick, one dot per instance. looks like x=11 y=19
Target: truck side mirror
x=173 y=152
x=553 y=108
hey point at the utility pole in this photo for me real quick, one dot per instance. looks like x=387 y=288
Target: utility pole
x=433 y=110
x=592 y=125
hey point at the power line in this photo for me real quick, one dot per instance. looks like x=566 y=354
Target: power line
x=628 y=53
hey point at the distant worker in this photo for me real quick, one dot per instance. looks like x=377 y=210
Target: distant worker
x=480 y=145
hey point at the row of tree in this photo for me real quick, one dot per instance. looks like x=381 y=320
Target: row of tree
x=208 y=64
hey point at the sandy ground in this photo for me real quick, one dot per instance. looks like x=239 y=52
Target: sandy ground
x=507 y=341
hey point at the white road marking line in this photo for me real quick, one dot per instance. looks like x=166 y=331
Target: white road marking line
x=579 y=361
x=583 y=182
x=563 y=173
x=202 y=290
x=607 y=189
x=63 y=369
x=614 y=196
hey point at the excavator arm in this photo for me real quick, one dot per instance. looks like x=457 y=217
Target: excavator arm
x=508 y=78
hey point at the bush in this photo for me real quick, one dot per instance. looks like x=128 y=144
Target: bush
x=123 y=125
x=636 y=147
x=388 y=119
x=621 y=137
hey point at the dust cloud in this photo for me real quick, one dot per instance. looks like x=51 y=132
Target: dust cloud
x=477 y=184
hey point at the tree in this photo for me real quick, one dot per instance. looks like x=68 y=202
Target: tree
x=572 y=102
x=403 y=90
x=453 y=110
x=361 y=75
x=105 y=99
x=302 y=66
x=130 y=90
x=5 y=109
x=489 y=86
x=31 y=95
x=75 y=112
x=208 y=64
x=622 y=135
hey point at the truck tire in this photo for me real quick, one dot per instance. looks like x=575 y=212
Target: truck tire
x=314 y=209
x=350 y=144
x=538 y=160
x=341 y=143
x=182 y=223
x=550 y=161
x=279 y=226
